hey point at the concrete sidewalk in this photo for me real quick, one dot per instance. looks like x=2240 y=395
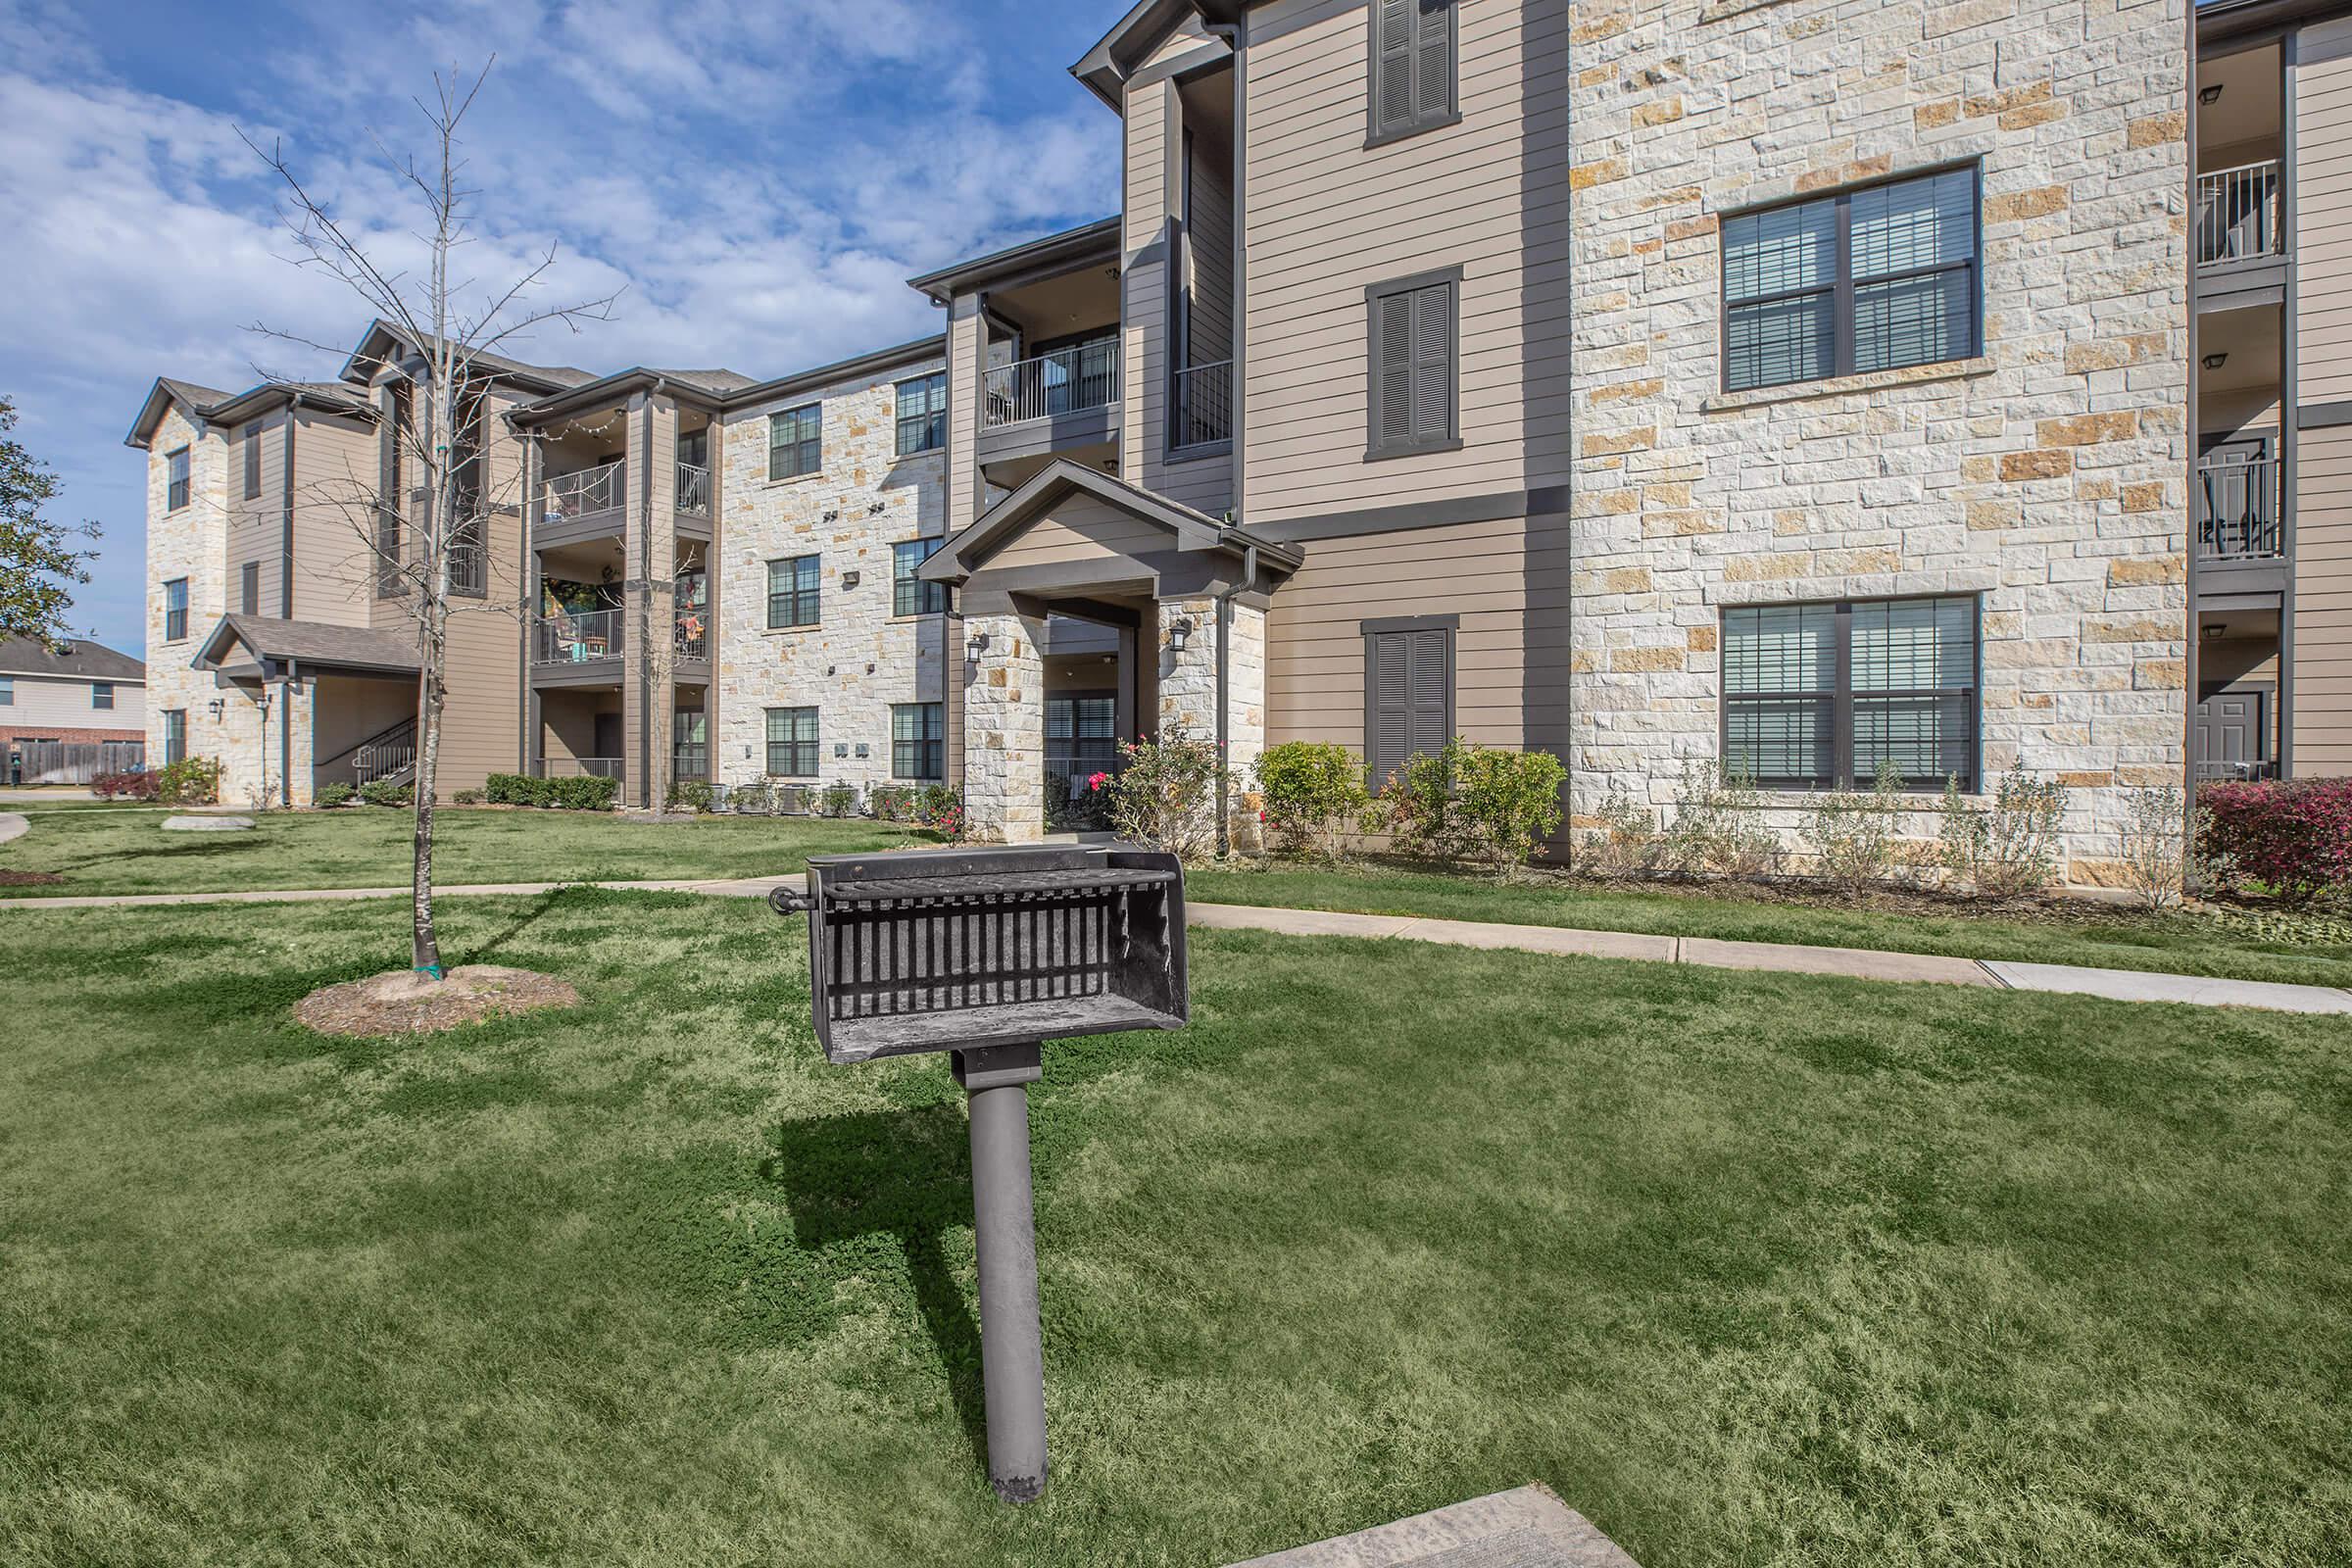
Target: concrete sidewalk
x=1856 y=964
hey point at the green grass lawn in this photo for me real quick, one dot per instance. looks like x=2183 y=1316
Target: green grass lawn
x=1750 y=1268
x=2097 y=936
x=125 y=850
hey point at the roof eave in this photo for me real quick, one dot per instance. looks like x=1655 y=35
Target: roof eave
x=911 y=351
x=1088 y=242
x=1104 y=69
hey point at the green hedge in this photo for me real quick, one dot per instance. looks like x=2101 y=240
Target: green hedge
x=556 y=794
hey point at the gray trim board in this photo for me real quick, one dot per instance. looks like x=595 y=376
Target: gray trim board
x=1037 y=438
x=1196 y=59
x=2322 y=416
x=1384 y=623
x=1547 y=502
x=285 y=577
x=2290 y=401
x=1072 y=247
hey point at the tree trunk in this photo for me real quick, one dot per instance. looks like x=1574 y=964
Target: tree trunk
x=425 y=947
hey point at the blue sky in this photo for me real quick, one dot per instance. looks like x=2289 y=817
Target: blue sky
x=760 y=176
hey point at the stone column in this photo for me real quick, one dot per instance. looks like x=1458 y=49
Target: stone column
x=1005 y=730
x=1188 y=684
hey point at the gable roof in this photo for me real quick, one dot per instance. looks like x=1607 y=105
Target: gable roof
x=1071 y=248
x=211 y=405
x=313 y=643
x=382 y=337
x=1056 y=482
x=75 y=658
x=1104 y=68
x=192 y=398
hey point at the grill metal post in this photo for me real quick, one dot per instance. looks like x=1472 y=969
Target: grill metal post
x=996 y=1083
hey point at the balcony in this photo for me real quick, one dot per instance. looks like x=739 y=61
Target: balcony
x=1201 y=406
x=582 y=767
x=694 y=491
x=582 y=504
x=581 y=647
x=1052 y=403
x=2237 y=512
x=2237 y=213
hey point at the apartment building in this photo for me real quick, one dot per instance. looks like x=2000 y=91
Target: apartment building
x=69 y=710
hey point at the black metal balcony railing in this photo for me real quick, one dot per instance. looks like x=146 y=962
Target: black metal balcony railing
x=694 y=489
x=2237 y=213
x=1083 y=375
x=690 y=638
x=1203 y=405
x=586 y=493
x=2237 y=511
x=2235 y=773
x=577 y=637
x=582 y=767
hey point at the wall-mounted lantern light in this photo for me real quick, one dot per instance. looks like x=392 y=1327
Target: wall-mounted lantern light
x=849 y=580
x=2214 y=362
x=2209 y=96
x=216 y=707
x=977 y=646
x=1180 y=632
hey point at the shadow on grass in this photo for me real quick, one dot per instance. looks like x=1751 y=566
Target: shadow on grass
x=542 y=906
x=902 y=1174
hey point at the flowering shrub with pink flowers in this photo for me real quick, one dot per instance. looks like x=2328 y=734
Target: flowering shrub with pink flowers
x=2293 y=837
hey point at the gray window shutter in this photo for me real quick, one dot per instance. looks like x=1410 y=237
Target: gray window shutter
x=1432 y=361
x=1411 y=698
x=1392 y=377
x=1393 y=73
x=1431 y=690
x=1432 y=59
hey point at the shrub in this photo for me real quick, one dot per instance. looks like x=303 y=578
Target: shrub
x=334 y=795
x=1852 y=834
x=2153 y=846
x=190 y=781
x=1623 y=841
x=2292 y=836
x=692 y=793
x=1415 y=808
x=1717 y=828
x=124 y=786
x=941 y=810
x=466 y=797
x=383 y=792
x=1314 y=796
x=1165 y=797
x=838 y=800
x=558 y=794
x=1508 y=803
x=890 y=802
x=750 y=799
x=512 y=789
x=2009 y=849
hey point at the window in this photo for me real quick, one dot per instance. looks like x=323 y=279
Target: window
x=796 y=442
x=387 y=550
x=253 y=461
x=1412 y=52
x=1819 y=695
x=175 y=735
x=1870 y=279
x=1408 y=691
x=102 y=695
x=791 y=742
x=924 y=413
x=249 y=588
x=689 y=744
x=1414 y=323
x=176 y=479
x=175 y=610
x=918 y=746
x=8 y=691
x=792 y=598
x=909 y=595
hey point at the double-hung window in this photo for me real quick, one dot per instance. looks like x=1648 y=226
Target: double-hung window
x=1819 y=695
x=909 y=595
x=175 y=610
x=102 y=695
x=918 y=741
x=176 y=479
x=175 y=735
x=791 y=742
x=791 y=592
x=1412 y=51
x=1414 y=324
x=8 y=691
x=796 y=442
x=924 y=413
x=1877 y=278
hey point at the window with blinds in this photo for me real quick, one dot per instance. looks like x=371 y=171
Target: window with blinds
x=791 y=742
x=175 y=610
x=919 y=741
x=176 y=479
x=909 y=595
x=1414 y=324
x=1412 y=58
x=791 y=592
x=1408 y=693
x=1815 y=696
x=796 y=442
x=1870 y=279
x=922 y=409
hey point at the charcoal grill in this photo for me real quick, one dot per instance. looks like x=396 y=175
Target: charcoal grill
x=988 y=953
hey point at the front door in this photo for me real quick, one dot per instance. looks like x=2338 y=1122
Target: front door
x=2231 y=735
x=608 y=739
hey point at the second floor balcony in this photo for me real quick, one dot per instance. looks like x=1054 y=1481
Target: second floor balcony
x=583 y=504
x=2236 y=506
x=582 y=644
x=1060 y=402
x=2238 y=214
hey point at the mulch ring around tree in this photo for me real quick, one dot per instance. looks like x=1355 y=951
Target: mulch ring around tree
x=405 y=1003
x=29 y=879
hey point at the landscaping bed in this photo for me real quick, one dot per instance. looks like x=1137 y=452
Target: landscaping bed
x=1748 y=1268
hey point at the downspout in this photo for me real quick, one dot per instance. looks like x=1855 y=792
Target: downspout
x=1225 y=699
x=285 y=734
x=645 y=601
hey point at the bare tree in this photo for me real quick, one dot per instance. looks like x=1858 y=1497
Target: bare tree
x=432 y=531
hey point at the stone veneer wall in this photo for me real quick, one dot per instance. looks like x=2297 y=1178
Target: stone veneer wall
x=2048 y=475
x=1004 y=731
x=193 y=543
x=859 y=659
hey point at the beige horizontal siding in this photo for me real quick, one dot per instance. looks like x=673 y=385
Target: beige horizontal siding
x=2321 y=637
x=334 y=484
x=1079 y=529
x=2323 y=194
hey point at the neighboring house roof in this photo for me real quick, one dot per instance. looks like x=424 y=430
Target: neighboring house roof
x=310 y=644
x=74 y=660
x=1104 y=68
x=967 y=551
x=1054 y=252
